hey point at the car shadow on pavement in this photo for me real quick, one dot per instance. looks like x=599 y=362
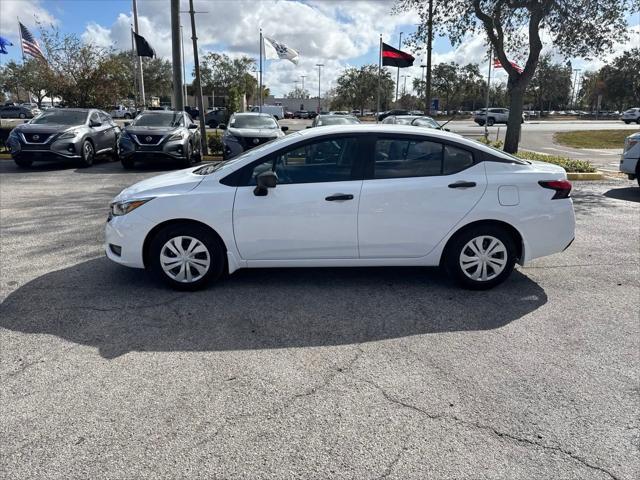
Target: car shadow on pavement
x=119 y=310
x=631 y=194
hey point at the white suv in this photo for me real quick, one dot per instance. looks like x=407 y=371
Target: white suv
x=346 y=196
x=630 y=160
x=631 y=115
x=495 y=115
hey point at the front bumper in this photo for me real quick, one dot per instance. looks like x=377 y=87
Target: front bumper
x=127 y=235
x=56 y=150
x=128 y=148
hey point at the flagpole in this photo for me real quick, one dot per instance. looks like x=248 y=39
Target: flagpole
x=398 y=69
x=379 y=75
x=21 y=44
x=260 y=98
x=140 y=71
x=486 y=112
x=134 y=68
x=184 y=71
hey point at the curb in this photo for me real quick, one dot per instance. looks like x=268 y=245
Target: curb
x=585 y=176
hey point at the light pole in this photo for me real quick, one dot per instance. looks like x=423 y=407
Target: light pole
x=319 y=65
x=398 y=69
x=404 y=85
x=429 y=42
x=303 y=77
x=574 y=96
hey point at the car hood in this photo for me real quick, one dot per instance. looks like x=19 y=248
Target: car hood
x=174 y=183
x=254 y=132
x=151 y=130
x=45 y=128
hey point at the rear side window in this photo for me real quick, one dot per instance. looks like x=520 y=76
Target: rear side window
x=405 y=158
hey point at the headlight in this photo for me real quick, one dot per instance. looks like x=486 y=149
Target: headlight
x=69 y=134
x=118 y=209
x=176 y=136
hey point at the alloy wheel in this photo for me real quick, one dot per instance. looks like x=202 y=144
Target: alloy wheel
x=88 y=152
x=483 y=258
x=185 y=259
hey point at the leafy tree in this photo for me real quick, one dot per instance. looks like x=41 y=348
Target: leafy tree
x=220 y=73
x=575 y=28
x=551 y=85
x=33 y=76
x=358 y=88
x=298 y=93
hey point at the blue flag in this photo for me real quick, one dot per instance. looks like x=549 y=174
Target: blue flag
x=3 y=44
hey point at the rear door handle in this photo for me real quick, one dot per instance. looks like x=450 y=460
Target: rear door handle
x=462 y=185
x=339 y=197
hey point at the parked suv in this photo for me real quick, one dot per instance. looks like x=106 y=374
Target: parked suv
x=496 y=115
x=160 y=133
x=70 y=133
x=248 y=130
x=631 y=115
x=630 y=160
x=120 y=111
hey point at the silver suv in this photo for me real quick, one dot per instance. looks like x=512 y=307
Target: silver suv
x=631 y=115
x=496 y=115
x=630 y=160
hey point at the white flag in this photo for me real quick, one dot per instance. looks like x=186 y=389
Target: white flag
x=275 y=50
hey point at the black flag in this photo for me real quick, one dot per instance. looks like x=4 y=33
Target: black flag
x=392 y=57
x=142 y=46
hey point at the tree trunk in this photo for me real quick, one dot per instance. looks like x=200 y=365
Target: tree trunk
x=512 y=137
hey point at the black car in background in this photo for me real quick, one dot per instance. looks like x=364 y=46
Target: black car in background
x=215 y=117
x=160 y=134
x=17 y=111
x=396 y=111
x=70 y=133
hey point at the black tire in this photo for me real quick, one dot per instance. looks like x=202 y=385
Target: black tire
x=481 y=123
x=88 y=154
x=215 y=253
x=187 y=161
x=128 y=163
x=627 y=122
x=459 y=245
x=490 y=122
x=127 y=116
x=23 y=116
x=638 y=120
x=22 y=163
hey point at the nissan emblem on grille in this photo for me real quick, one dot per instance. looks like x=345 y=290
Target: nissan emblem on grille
x=36 y=137
x=148 y=139
x=256 y=141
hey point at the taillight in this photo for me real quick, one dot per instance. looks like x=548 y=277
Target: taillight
x=561 y=187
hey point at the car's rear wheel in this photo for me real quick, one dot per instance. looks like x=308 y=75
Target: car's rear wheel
x=22 y=115
x=186 y=256
x=481 y=257
x=87 y=153
x=490 y=122
x=22 y=163
x=627 y=122
x=188 y=157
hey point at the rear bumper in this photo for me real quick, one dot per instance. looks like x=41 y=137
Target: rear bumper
x=550 y=233
x=629 y=166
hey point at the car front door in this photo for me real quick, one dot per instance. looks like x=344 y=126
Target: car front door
x=312 y=212
x=415 y=191
x=109 y=129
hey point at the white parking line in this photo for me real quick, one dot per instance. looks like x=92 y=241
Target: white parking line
x=564 y=151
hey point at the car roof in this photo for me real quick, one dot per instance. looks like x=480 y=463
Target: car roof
x=252 y=114
x=160 y=112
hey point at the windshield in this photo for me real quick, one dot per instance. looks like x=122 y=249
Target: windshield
x=60 y=117
x=252 y=121
x=213 y=167
x=404 y=120
x=158 y=120
x=425 y=122
x=337 y=120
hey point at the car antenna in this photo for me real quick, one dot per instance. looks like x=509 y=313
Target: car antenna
x=443 y=125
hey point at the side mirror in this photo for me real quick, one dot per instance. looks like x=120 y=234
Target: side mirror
x=126 y=124
x=265 y=181
x=308 y=126
x=284 y=129
x=222 y=126
x=447 y=130
x=192 y=126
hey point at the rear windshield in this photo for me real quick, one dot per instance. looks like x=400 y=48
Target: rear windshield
x=60 y=117
x=158 y=120
x=337 y=120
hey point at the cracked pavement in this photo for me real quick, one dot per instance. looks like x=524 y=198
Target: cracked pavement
x=320 y=373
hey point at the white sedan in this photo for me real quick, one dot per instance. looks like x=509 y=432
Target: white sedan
x=350 y=195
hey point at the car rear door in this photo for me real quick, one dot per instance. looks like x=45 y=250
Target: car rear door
x=312 y=212
x=416 y=189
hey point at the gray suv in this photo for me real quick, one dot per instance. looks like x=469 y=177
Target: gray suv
x=69 y=133
x=248 y=130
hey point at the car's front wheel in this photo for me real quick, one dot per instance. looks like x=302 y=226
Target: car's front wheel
x=481 y=257
x=128 y=162
x=186 y=256
x=490 y=122
x=627 y=122
x=87 y=153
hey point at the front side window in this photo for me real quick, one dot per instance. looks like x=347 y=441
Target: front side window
x=330 y=160
x=406 y=158
x=95 y=118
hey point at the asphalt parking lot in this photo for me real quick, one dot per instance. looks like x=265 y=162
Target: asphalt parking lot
x=317 y=373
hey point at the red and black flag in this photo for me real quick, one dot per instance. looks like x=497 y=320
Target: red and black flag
x=392 y=57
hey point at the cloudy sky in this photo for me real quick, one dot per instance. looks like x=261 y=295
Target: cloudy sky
x=337 y=33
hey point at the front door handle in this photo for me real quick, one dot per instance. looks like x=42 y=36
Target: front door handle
x=339 y=197
x=462 y=184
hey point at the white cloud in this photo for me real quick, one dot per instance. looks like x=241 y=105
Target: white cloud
x=30 y=13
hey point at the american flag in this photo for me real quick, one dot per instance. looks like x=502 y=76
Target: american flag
x=497 y=64
x=29 y=44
